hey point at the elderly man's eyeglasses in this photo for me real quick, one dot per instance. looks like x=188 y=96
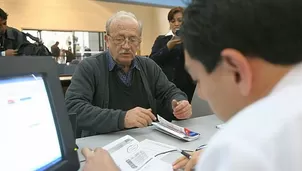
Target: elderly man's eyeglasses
x=121 y=40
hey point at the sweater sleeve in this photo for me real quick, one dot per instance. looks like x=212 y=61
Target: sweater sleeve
x=79 y=97
x=165 y=91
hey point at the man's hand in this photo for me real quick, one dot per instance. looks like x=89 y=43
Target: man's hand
x=173 y=42
x=185 y=163
x=182 y=109
x=10 y=52
x=139 y=117
x=98 y=160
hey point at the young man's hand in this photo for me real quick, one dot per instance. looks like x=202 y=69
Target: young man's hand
x=185 y=163
x=98 y=160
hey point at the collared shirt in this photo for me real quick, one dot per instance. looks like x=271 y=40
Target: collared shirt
x=265 y=136
x=125 y=77
x=170 y=33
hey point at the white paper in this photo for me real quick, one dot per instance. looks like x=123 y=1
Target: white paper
x=131 y=155
x=153 y=148
x=157 y=165
x=127 y=153
x=170 y=125
x=220 y=126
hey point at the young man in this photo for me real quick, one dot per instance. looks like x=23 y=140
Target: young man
x=117 y=90
x=10 y=38
x=247 y=54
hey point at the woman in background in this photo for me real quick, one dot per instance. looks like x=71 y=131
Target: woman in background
x=168 y=53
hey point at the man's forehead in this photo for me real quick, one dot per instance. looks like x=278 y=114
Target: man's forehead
x=126 y=24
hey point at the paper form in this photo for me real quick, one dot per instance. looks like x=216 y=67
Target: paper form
x=131 y=155
x=127 y=153
x=158 y=165
x=153 y=148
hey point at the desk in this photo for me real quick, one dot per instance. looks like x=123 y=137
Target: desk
x=205 y=125
x=65 y=78
x=65 y=81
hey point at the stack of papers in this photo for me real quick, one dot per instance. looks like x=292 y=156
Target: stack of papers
x=174 y=130
x=131 y=155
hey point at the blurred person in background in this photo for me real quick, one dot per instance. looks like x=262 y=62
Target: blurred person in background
x=168 y=53
x=55 y=50
x=10 y=38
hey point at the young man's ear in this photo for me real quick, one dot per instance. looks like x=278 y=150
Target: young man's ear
x=238 y=64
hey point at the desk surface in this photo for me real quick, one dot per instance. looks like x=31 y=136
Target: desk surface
x=205 y=125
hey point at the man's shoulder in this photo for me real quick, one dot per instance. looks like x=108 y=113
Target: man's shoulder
x=146 y=61
x=269 y=122
x=94 y=61
x=13 y=29
x=13 y=33
x=96 y=58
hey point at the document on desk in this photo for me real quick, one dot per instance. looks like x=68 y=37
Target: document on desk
x=175 y=130
x=128 y=154
x=152 y=148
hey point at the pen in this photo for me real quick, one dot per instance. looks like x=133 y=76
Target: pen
x=187 y=155
x=201 y=147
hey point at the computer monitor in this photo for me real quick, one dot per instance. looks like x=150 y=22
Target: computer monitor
x=35 y=131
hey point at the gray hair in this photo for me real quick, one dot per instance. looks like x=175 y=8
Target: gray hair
x=123 y=14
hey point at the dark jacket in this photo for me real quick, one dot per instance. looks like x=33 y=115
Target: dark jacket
x=172 y=63
x=88 y=94
x=55 y=50
x=13 y=39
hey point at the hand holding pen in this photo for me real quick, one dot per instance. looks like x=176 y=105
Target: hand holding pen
x=189 y=160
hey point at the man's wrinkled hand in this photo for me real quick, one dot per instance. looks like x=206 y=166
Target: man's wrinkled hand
x=139 y=117
x=182 y=109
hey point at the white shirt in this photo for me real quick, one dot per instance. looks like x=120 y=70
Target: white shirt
x=265 y=136
x=170 y=33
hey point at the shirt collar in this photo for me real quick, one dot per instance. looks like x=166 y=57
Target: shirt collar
x=292 y=78
x=112 y=63
x=170 y=33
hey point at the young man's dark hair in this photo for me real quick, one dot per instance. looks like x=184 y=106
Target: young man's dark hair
x=3 y=14
x=271 y=30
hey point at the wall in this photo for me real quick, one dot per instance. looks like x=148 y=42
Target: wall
x=86 y=15
x=161 y=17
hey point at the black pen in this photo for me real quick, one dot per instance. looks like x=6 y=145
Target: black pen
x=187 y=155
x=201 y=147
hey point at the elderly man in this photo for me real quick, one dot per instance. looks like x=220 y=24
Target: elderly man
x=250 y=66
x=116 y=90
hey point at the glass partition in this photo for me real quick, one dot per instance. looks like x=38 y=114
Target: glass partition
x=80 y=43
x=72 y=48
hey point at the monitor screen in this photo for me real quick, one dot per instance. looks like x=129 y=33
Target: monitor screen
x=29 y=138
